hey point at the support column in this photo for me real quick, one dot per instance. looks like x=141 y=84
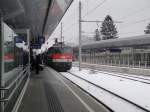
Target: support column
x=1 y=63
x=28 y=40
x=132 y=57
x=80 y=46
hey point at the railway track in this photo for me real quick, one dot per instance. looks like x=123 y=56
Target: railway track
x=134 y=78
x=110 y=92
x=125 y=76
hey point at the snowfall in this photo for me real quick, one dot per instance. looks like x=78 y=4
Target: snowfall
x=134 y=91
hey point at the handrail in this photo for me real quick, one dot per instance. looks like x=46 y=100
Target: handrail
x=14 y=90
x=14 y=82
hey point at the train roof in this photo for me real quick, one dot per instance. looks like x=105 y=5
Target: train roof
x=120 y=42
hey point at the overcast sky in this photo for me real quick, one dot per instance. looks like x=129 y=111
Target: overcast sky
x=135 y=15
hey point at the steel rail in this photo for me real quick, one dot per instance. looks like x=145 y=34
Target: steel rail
x=89 y=94
x=131 y=102
x=134 y=78
x=127 y=77
x=124 y=74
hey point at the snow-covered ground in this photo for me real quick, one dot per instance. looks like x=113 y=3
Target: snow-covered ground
x=97 y=65
x=134 y=91
x=123 y=75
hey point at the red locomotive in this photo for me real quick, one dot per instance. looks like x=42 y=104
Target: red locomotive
x=59 y=57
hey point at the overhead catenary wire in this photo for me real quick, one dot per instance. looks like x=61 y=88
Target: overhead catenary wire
x=69 y=27
x=131 y=32
x=136 y=22
x=88 y=32
x=92 y=10
x=131 y=14
x=72 y=25
x=134 y=13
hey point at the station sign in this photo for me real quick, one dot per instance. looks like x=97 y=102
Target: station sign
x=36 y=46
x=115 y=50
x=19 y=39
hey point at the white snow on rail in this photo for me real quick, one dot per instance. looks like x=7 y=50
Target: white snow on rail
x=97 y=65
x=134 y=91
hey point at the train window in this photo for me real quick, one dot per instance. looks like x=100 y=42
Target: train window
x=53 y=50
x=59 y=50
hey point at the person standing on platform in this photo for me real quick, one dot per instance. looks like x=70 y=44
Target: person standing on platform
x=37 y=62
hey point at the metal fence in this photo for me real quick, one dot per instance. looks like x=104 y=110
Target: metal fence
x=120 y=63
x=12 y=91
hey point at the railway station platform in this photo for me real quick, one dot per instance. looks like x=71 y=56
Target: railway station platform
x=51 y=92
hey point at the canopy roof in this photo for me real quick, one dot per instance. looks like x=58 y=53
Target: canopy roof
x=142 y=40
x=41 y=16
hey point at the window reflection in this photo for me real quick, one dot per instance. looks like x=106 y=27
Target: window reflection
x=8 y=49
x=15 y=54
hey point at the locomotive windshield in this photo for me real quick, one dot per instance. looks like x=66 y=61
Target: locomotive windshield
x=66 y=50
x=53 y=50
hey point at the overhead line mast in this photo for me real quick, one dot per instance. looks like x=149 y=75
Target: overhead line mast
x=61 y=33
x=80 y=43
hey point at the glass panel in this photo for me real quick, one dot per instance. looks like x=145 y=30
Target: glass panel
x=13 y=55
x=13 y=58
x=8 y=49
x=0 y=50
x=1 y=94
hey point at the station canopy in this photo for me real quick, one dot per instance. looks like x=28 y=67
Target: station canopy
x=41 y=16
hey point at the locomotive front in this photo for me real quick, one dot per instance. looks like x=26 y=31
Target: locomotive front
x=60 y=58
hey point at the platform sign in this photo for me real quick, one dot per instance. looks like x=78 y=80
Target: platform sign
x=36 y=46
x=115 y=50
x=18 y=39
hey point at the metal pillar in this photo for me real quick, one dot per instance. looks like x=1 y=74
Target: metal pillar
x=146 y=59
x=132 y=56
x=28 y=40
x=1 y=64
x=80 y=43
x=61 y=33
